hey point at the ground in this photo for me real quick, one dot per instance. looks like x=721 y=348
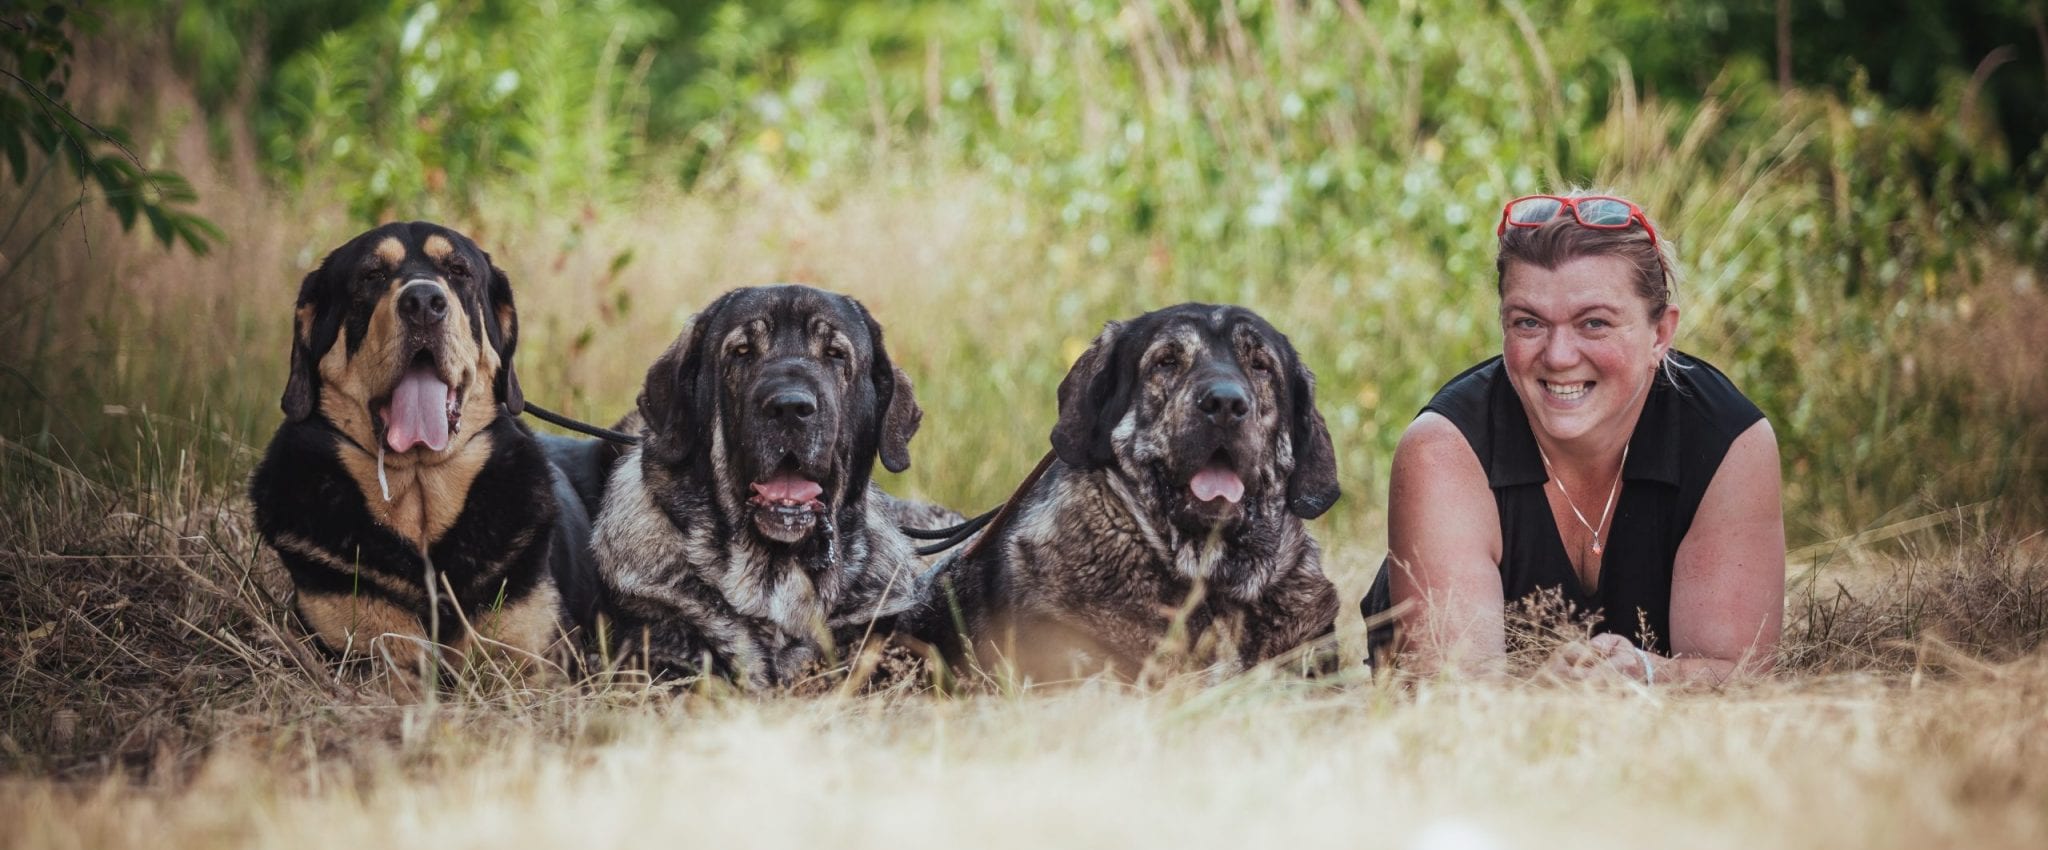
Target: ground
x=159 y=695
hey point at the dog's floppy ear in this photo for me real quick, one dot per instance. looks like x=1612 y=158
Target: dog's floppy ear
x=900 y=423
x=312 y=334
x=501 y=324
x=1312 y=487
x=1093 y=397
x=893 y=393
x=669 y=401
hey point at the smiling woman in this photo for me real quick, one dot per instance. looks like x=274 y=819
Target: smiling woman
x=1590 y=464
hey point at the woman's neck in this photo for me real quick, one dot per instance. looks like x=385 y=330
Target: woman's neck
x=1595 y=455
x=1589 y=452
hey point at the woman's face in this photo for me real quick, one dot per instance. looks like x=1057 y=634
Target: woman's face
x=1580 y=346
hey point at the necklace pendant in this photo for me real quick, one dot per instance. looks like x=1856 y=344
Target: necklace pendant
x=1598 y=547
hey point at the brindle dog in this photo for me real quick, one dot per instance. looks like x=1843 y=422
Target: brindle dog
x=743 y=537
x=1167 y=528
x=400 y=493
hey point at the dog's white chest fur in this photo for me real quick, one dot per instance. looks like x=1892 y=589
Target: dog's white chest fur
x=644 y=554
x=781 y=593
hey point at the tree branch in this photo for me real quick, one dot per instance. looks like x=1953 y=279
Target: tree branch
x=51 y=101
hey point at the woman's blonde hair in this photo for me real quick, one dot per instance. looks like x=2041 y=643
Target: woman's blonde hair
x=1562 y=239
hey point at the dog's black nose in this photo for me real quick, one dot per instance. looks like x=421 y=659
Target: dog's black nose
x=1225 y=402
x=790 y=407
x=422 y=303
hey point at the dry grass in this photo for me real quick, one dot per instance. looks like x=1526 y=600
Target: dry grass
x=1853 y=765
x=158 y=694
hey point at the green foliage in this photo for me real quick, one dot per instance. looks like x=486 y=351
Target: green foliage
x=37 y=123
x=414 y=111
x=1336 y=164
x=1913 y=54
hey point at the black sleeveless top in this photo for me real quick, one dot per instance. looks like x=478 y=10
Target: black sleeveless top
x=1693 y=414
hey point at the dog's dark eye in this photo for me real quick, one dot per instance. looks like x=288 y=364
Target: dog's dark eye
x=1261 y=364
x=459 y=269
x=1166 y=362
x=740 y=350
x=371 y=274
x=835 y=352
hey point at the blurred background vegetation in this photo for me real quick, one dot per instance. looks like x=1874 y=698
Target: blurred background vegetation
x=1855 y=191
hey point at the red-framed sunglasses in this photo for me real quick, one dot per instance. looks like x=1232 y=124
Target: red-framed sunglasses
x=1600 y=212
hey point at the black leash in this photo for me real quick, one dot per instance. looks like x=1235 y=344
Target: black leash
x=948 y=531
x=557 y=419
x=951 y=536
x=991 y=521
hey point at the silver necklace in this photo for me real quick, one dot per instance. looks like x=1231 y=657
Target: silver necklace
x=1598 y=545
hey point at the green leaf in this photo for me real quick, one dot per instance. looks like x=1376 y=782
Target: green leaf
x=124 y=208
x=17 y=154
x=174 y=186
x=113 y=167
x=45 y=135
x=159 y=224
x=198 y=233
x=619 y=262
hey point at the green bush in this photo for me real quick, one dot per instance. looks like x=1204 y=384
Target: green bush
x=414 y=112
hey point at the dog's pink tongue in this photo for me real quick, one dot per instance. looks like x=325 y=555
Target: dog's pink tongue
x=788 y=486
x=418 y=413
x=1217 y=480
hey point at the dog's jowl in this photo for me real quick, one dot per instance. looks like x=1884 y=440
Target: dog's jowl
x=743 y=537
x=1168 y=527
x=407 y=503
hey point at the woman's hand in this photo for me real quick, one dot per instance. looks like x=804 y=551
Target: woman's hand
x=1605 y=657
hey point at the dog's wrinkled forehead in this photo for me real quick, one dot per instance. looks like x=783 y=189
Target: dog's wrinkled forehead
x=790 y=320
x=1181 y=339
x=1194 y=332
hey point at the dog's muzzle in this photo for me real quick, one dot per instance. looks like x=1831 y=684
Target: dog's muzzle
x=423 y=408
x=1223 y=403
x=791 y=453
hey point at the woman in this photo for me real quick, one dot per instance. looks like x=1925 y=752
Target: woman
x=1592 y=461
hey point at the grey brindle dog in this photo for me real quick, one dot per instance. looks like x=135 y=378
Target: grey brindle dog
x=1166 y=529
x=743 y=537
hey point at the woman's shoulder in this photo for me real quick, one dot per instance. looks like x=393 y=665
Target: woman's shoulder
x=1709 y=397
x=1479 y=411
x=1467 y=399
x=1430 y=434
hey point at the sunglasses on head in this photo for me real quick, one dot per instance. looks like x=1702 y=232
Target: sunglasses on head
x=1599 y=212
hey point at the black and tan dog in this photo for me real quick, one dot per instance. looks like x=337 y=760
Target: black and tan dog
x=1167 y=525
x=400 y=493
x=743 y=537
